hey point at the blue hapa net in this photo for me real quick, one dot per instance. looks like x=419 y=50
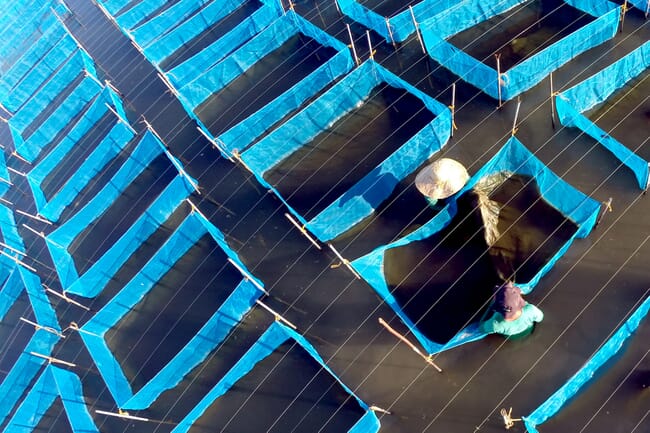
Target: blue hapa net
x=597 y=89
x=367 y=194
x=512 y=158
x=437 y=30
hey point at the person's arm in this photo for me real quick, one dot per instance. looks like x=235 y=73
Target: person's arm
x=535 y=313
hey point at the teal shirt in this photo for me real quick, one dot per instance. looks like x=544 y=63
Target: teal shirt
x=498 y=324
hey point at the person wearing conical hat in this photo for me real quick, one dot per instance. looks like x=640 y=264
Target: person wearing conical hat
x=512 y=315
x=441 y=179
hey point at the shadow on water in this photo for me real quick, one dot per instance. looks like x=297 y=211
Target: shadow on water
x=13 y=332
x=267 y=79
x=54 y=420
x=296 y=383
x=318 y=173
x=626 y=115
x=520 y=32
x=173 y=312
x=443 y=281
x=212 y=34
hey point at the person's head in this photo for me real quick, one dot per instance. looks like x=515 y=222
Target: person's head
x=508 y=300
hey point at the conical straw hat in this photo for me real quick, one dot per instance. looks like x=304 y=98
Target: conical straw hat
x=442 y=178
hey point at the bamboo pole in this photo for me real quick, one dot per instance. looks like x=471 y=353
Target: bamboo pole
x=380 y=410
x=75 y=327
x=64 y=297
x=15 y=154
x=452 y=107
x=277 y=315
x=623 y=12
x=372 y=52
x=34 y=217
x=344 y=261
x=52 y=360
x=121 y=414
x=417 y=30
x=514 y=121
x=354 y=50
x=3 y=200
x=302 y=229
x=409 y=344
x=12 y=249
x=248 y=276
x=14 y=171
x=44 y=328
x=390 y=34
x=550 y=77
x=18 y=261
x=120 y=118
x=336 y=3
x=498 y=57
x=215 y=144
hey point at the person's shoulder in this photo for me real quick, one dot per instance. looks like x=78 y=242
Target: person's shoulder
x=534 y=312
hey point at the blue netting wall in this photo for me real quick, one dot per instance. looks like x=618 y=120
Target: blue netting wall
x=5 y=179
x=10 y=237
x=513 y=157
x=34 y=67
x=27 y=366
x=643 y=5
x=361 y=200
x=25 y=26
x=31 y=145
x=196 y=91
x=195 y=351
x=276 y=335
x=209 y=56
x=526 y=74
x=114 y=6
x=595 y=90
x=401 y=24
x=573 y=386
x=53 y=382
x=110 y=146
x=95 y=278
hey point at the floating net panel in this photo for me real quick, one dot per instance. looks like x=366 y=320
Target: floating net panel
x=624 y=83
x=33 y=19
x=386 y=268
x=392 y=20
x=54 y=106
x=115 y=203
x=627 y=369
x=330 y=123
x=53 y=385
x=222 y=405
x=208 y=310
x=97 y=137
x=521 y=35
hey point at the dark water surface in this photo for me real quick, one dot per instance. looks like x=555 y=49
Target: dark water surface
x=318 y=173
x=14 y=334
x=387 y=8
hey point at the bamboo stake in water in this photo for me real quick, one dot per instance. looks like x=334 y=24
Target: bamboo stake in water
x=18 y=261
x=277 y=315
x=64 y=297
x=409 y=344
x=354 y=50
x=44 y=328
x=248 y=276
x=372 y=53
x=550 y=77
x=53 y=360
x=623 y=11
x=15 y=154
x=390 y=34
x=498 y=56
x=303 y=230
x=417 y=30
x=344 y=261
x=514 y=122
x=34 y=217
x=452 y=107
x=121 y=414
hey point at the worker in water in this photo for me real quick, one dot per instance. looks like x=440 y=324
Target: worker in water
x=512 y=316
x=440 y=180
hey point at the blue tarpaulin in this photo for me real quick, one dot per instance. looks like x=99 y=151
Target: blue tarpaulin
x=362 y=199
x=595 y=90
x=111 y=144
x=515 y=158
x=227 y=315
x=437 y=30
x=573 y=386
x=276 y=335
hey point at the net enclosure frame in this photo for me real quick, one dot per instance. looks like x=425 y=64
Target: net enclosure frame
x=513 y=157
x=572 y=103
x=17 y=280
x=110 y=145
x=273 y=337
x=397 y=27
x=213 y=331
x=586 y=373
x=52 y=383
x=505 y=85
x=94 y=279
x=368 y=193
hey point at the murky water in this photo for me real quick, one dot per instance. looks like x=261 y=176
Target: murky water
x=387 y=8
x=52 y=421
x=293 y=407
x=318 y=173
x=14 y=334
x=267 y=79
x=520 y=32
x=445 y=282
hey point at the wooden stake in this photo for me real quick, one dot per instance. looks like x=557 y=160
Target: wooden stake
x=344 y=261
x=647 y=9
x=42 y=235
x=113 y=88
x=606 y=207
x=52 y=360
x=336 y=3
x=390 y=34
x=215 y=144
x=550 y=77
x=248 y=276
x=14 y=171
x=34 y=217
x=277 y=316
x=498 y=57
x=75 y=327
x=120 y=118
x=17 y=261
x=378 y=409
x=12 y=249
x=6 y=201
x=508 y=420
x=372 y=53
x=92 y=77
x=514 y=121
x=168 y=84
x=14 y=153
x=64 y=297
x=302 y=229
x=121 y=414
x=44 y=328
x=417 y=30
x=8 y=182
x=354 y=50
x=623 y=12
x=452 y=107
x=409 y=344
